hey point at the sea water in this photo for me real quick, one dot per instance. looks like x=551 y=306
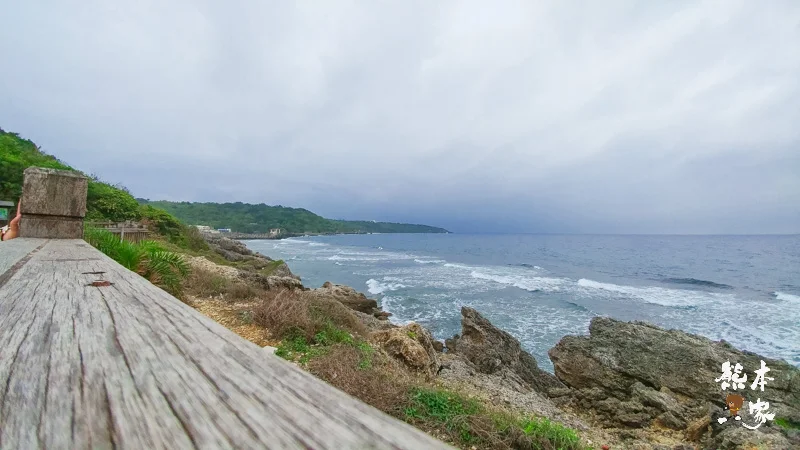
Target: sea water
x=744 y=289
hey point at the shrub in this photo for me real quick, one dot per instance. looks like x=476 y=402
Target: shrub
x=383 y=384
x=107 y=202
x=240 y=291
x=147 y=258
x=293 y=313
x=204 y=283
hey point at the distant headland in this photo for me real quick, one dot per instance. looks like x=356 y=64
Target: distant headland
x=261 y=221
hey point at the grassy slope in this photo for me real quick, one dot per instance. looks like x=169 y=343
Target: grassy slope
x=248 y=218
x=104 y=202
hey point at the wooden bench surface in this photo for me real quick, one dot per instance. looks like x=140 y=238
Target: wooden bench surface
x=130 y=366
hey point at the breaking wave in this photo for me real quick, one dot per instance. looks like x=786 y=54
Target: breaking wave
x=532 y=284
x=696 y=282
x=375 y=287
x=786 y=297
x=679 y=298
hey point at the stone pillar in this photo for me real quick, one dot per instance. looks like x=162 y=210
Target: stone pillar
x=53 y=204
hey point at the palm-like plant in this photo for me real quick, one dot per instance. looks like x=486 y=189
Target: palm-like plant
x=147 y=258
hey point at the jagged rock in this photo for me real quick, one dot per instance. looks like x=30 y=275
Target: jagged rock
x=451 y=343
x=270 y=282
x=666 y=370
x=410 y=344
x=741 y=438
x=348 y=297
x=236 y=251
x=463 y=376
x=492 y=350
x=372 y=323
x=230 y=245
x=382 y=315
x=438 y=346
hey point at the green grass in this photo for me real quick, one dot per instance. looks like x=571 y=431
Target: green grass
x=558 y=435
x=267 y=271
x=445 y=408
x=297 y=348
x=366 y=355
x=786 y=424
x=246 y=317
x=468 y=422
x=147 y=258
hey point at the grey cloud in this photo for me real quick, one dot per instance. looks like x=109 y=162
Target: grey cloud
x=630 y=117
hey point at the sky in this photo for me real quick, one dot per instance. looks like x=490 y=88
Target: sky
x=504 y=116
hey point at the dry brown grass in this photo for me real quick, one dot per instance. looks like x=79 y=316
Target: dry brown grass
x=203 y=283
x=380 y=383
x=294 y=313
x=241 y=291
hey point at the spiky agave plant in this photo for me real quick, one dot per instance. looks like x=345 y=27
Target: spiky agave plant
x=147 y=258
x=161 y=267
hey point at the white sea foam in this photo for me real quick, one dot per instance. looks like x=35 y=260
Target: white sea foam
x=375 y=287
x=786 y=297
x=532 y=284
x=354 y=258
x=429 y=261
x=317 y=244
x=293 y=241
x=458 y=266
x=655 y=295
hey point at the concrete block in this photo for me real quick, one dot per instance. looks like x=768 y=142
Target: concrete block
x=52 y=192
x=53 y=204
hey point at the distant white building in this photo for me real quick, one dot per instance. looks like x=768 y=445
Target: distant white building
x=206 y=229
x=224 y=230
x=274 y=232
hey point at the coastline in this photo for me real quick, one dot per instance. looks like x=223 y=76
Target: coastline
x=637 y=408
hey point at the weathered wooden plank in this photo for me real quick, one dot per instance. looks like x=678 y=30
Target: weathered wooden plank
x=13 y=250
x=128 y=365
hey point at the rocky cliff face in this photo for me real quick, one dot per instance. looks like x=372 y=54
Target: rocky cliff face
x=236 y=251
x=492 y=351
x=637 y=375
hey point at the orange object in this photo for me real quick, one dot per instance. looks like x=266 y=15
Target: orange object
x=101 y=283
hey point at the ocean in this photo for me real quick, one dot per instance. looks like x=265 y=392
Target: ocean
x=744 y=289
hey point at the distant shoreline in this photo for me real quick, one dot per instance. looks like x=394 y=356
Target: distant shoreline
x=265 y=236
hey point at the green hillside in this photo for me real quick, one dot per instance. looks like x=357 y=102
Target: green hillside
x=104 y=201
x=248 y=218
x=107 y=202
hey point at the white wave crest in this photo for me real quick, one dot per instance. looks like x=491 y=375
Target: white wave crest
x=375 y=287
x=532 y=284
x=429 y=261
x=786 y=297
x=655 y=295
x=458 y=266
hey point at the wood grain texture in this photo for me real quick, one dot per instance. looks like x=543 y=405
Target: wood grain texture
x=129 y=366
x=14 y=250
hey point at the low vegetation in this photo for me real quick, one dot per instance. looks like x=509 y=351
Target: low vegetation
x=105 y=202
x=328 y=340
x=147 y=258
x=247 y=218
x=321 y=334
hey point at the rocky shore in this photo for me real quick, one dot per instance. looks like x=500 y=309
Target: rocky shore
x=624 y=385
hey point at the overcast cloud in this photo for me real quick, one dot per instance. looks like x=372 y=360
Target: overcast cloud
x=529 y=116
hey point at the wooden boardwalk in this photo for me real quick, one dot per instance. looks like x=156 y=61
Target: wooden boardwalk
x=128 y=365
x=123 y=364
